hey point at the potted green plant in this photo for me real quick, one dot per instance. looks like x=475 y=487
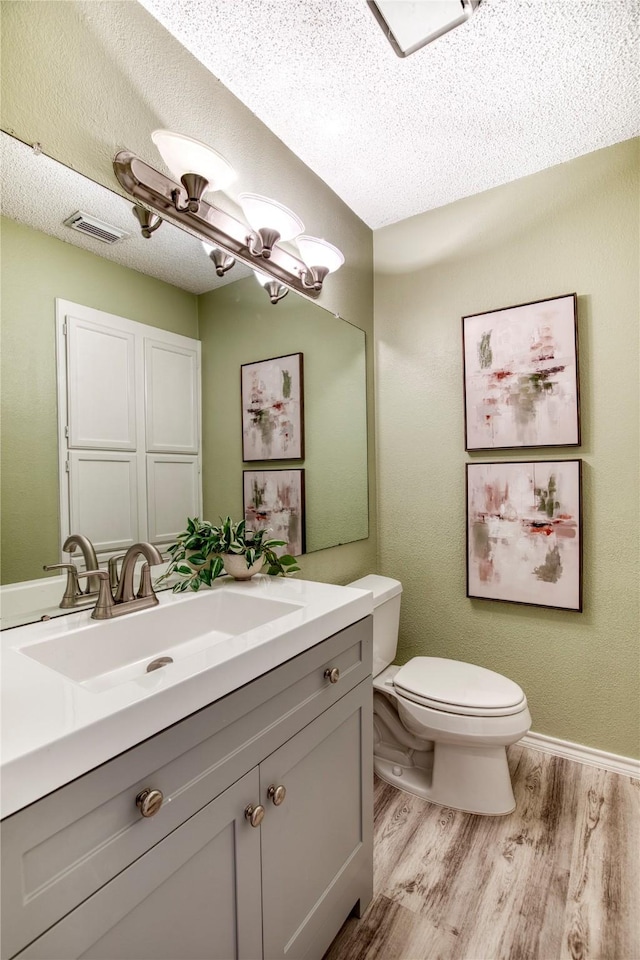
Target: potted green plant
x=204 y=552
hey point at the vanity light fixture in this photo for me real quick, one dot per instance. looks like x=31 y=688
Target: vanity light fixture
x=199 y=170
x=322 y=258
x=272 y=221
x=275 y=289
x=222 y=260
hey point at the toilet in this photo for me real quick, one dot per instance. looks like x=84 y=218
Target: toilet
x=441 y=727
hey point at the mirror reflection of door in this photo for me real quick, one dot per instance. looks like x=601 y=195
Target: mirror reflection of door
x=129 y=428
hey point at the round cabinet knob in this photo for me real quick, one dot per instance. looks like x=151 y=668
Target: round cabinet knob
x=332 y=675
x=255 y=815
x=149 y=801
x=276 y=794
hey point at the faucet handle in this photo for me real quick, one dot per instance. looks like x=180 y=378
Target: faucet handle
x=146 y=587
x=104 y=607
x=72 y=588
x=113 y=569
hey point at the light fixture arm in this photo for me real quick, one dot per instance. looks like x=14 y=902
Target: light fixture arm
x=149 y=222
x=194 y=186
x=221 y=260
x=313 y=277
x=261 y=242
x=209 y=223
x=276 y=291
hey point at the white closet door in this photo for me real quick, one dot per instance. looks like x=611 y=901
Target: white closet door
x=173 y=494
x=101 y=386
x=172 y=388
x=103 y=497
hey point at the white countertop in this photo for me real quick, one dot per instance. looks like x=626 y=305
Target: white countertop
x=54 y=729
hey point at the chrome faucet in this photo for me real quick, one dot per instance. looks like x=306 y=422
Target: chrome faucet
x=125 y=601
x=89 y=555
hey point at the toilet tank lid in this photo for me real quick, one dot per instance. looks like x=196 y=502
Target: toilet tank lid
x=382 y=588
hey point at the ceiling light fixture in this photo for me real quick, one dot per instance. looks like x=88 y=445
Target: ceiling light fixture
x=409 y=25
x=200 y=171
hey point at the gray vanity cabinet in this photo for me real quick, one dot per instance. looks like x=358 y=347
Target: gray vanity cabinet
x=195 y=895
x=310 y=839
x=84 y=875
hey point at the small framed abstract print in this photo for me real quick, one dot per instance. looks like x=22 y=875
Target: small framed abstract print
x=524 y=532
x=521 y=376
x=272 y=409
x=275 y=499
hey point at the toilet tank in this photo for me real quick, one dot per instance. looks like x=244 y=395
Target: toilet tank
x=386 y=617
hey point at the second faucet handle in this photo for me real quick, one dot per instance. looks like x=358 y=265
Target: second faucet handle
x=72 y=588
x=113 y=569
x=105 y=597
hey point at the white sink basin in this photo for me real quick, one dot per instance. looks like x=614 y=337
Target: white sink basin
x=122 y=649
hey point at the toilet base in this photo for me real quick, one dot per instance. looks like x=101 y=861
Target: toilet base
x=467 y=778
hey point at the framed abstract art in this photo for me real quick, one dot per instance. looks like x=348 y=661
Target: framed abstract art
x=524 y=532
x=272 y=409
x=275 y=499
x=521 y=376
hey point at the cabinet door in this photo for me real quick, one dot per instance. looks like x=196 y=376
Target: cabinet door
x=195 y=895
x=101 y=386
x=317 y=845
x=173 y=493
x=172 y=405
x=103 y=498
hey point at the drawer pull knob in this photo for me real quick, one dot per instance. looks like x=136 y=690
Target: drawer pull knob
x=277 y=794
x=149 y=801
x=332 y=675
x=255 y=815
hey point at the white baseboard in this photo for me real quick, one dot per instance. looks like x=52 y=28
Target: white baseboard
x=628 y=766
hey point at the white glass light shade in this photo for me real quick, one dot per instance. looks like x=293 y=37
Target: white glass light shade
x=319 y=253
x=185 y=155
x=262 y=212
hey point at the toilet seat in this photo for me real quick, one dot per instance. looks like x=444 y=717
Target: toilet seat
x=452 y=686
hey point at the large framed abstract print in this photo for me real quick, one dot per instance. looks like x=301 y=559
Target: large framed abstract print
x=272 y=409
x=524 y=532
x=275 y=499
x=521 y=376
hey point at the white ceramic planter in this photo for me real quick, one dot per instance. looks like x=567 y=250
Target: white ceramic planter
x=236 y=566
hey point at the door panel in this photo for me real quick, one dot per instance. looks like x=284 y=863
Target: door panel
x=173 y=494
x=101 y=386
x=103 y=495
x=172 y=398
x=309 y=840
x=195 y=895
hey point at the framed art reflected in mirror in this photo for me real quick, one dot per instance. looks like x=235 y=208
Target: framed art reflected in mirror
x=275 y=499
x=273 y=409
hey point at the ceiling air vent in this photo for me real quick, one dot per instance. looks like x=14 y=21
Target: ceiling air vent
x=95 y=228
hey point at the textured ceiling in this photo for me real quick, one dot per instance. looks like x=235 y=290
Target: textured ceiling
x=56 y=192
x=524 y=85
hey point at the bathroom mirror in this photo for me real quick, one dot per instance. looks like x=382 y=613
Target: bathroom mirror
x=168 y=282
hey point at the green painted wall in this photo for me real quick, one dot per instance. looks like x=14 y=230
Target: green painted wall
x=574 y=227
x=36 y=269
x=239 y=325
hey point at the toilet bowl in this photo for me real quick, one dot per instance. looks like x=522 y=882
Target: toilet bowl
x=441 y=727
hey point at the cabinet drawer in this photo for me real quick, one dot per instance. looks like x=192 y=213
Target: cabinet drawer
x=58 y=851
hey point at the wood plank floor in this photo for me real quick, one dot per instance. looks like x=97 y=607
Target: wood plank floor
x=558 y=879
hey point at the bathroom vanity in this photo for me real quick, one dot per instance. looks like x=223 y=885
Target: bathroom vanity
x=241 y=828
